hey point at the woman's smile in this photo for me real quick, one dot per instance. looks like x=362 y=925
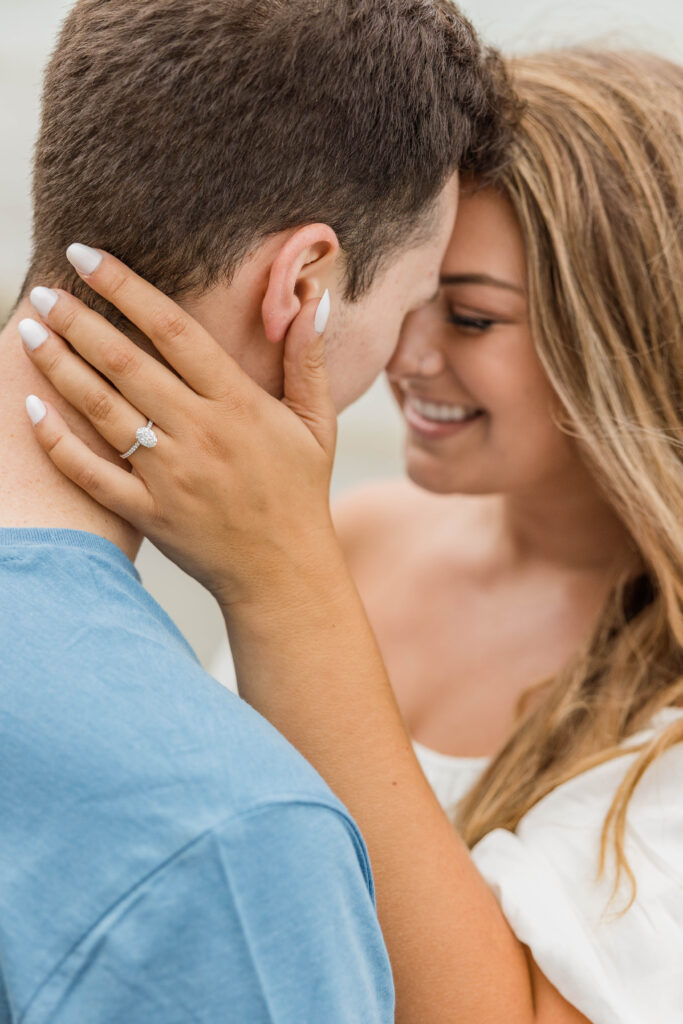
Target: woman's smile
x=436 y=419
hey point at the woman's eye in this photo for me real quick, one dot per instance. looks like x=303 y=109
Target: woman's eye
x=470 y=323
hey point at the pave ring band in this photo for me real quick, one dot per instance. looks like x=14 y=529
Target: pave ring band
x=145 y=438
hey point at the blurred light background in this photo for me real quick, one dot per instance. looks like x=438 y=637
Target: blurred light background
x=370 y=432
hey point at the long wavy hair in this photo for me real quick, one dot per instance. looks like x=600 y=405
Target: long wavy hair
x=596 y=180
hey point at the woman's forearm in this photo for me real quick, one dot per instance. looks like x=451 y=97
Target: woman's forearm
x=307 y=659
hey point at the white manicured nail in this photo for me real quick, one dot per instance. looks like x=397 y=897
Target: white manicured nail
x=32 y=334
x=43 y=299
x=83 y=258
x=35 y=409
x=323 y=313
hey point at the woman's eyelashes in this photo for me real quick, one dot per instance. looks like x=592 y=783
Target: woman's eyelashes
x=470 y=323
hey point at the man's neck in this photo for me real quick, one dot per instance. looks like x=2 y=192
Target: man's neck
x=33 y=493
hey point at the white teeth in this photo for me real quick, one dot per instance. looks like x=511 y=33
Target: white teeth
x=441 y=413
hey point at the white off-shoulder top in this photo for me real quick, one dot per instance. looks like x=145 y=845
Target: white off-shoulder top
x=615 y=969
x=449 y=777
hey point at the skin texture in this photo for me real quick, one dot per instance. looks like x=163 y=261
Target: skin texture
x=274 y=564
x=505 y=525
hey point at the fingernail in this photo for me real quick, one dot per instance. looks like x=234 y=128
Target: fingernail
x=322 y=313
x=83 y=258
x=35 y=409
x=32 y=334
x=43 y=299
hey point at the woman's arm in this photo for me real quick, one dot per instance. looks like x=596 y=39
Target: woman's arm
x=308 y=661
x=305 y=654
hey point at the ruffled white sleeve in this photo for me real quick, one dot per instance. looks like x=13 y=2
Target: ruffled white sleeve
x=615 y=969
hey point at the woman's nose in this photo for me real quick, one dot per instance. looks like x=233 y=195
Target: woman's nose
x=419 y=352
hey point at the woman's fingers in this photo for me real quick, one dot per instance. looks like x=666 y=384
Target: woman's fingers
x=110 y=413
x=118 y=490
x=183 y=343
x=148 y=386
x=306 y=383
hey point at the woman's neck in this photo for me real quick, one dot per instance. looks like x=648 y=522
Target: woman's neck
x=568 y=522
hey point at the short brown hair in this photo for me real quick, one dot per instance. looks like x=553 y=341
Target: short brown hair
x=177 y=133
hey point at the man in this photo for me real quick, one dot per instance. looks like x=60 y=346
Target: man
x=166 y=855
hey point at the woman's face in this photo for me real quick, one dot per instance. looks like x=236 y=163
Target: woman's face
x=477 y=404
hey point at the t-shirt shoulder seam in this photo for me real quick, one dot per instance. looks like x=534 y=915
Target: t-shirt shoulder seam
x=284 y=800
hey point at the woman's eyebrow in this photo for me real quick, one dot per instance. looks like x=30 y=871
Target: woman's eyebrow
x=479 y=279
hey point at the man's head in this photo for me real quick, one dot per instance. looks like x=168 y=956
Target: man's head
x=244 y=154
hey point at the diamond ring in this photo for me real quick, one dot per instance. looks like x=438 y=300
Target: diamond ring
x=145 y=438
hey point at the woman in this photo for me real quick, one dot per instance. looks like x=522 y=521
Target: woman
x=546 y=530
x=551 y=406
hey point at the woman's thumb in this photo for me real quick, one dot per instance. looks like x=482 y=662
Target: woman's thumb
x=306 y=384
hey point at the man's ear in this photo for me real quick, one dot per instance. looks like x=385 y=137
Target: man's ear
x=304 y=267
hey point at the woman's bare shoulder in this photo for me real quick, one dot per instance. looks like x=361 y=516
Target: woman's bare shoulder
x=395 y=512
x=364 y=510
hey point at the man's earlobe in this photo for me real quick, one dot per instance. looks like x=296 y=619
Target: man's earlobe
x=303 y=268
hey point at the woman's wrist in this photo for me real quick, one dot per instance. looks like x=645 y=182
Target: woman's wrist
x=288 y=576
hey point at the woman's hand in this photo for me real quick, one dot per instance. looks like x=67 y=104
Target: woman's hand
x=236 y=489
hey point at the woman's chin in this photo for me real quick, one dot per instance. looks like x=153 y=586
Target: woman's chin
x=432 y=475
x=441 y=476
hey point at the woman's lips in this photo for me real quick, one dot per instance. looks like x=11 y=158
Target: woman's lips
x=437 y=419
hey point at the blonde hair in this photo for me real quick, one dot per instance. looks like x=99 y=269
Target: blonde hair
x=596 y=180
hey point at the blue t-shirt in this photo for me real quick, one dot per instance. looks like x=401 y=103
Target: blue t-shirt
x=166 y=856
